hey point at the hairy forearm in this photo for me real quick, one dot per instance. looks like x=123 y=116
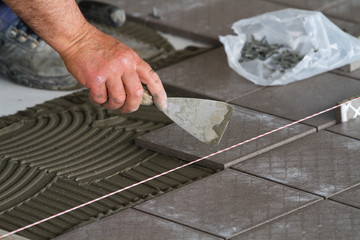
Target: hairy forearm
x=59 y=22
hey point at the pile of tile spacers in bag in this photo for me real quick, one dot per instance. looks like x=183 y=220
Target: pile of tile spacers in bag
x=282 y=58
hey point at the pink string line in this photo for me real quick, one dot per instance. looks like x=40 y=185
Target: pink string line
x=172 y=170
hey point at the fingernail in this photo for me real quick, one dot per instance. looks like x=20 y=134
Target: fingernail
x=164 y=105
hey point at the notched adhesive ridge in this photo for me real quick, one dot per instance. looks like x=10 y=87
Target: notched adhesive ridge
x=19 y=183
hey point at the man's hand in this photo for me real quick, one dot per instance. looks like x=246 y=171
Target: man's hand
x=113 y=72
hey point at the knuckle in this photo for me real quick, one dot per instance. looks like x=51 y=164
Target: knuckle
x=138 y=92
x=135 y=93
x=128 y=58
x=125 y=62
x=151 y=77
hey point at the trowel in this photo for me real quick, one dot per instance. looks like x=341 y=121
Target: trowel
x=204 y=119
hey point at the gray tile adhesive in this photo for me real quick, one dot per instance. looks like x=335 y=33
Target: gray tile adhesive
x=68 y=151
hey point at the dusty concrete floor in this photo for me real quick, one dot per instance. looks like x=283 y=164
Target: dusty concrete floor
x=302 y=183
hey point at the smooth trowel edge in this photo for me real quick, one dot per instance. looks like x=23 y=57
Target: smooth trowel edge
x=220 y=128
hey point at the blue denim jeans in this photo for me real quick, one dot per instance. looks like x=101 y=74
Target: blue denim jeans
x=6 y=16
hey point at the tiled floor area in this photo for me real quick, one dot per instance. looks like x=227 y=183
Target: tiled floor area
x=302 y=182
x=244 y=124
x=301 y=99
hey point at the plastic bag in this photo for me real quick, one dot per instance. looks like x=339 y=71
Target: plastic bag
x=322 y=45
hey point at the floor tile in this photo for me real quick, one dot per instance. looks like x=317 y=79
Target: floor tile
x=349 y=27
x=202 y=16
x=156 y=12
x=355 y=74
x=348 y=10
x=227 y=203
x=138 y=8
x=144 y=9
x=12 y=237
x=304 y=98
x=244 y=124
x=323 y=163
x=323 y=220
x=217 y=18
x=350 y=128
x=209 y=18
x=133 y=224
x=350 y=197
x=309 y=4
x=207 y=75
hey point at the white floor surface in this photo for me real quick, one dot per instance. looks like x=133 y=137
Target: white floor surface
x=14 y=97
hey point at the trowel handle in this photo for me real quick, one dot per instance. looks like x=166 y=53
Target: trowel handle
x=147 y=99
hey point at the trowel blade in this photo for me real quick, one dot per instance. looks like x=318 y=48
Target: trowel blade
x=204 y=119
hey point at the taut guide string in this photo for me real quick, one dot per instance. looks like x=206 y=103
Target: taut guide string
x=172 y=170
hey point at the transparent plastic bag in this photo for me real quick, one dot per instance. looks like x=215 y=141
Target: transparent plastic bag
x=321 y=43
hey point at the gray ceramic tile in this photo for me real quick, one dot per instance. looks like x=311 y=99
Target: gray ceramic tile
x=304 y=98
x=12 y=237
x=350 y=197
x=309 y=4
x=208 y=18
x=144 y=8
x=348 y=10
x=207 y=75
x=323 y=220
x=227 y=203
x=355 y=74
x=350 y=128
x=141 y=9
x=216 y=18
x=323 y=163
x=244 y=124
x=133 y=224
x=349 y=27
